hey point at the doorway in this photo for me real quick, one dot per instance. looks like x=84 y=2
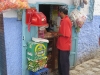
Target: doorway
x=34 y=30
x=51 y=13
x=45 y=9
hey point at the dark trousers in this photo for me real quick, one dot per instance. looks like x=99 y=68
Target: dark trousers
x=63 y=62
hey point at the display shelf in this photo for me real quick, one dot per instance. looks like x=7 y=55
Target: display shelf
x=52 y=56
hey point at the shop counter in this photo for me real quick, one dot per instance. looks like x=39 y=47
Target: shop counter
x=52 y=54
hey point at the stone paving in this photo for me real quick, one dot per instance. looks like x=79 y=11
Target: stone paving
x=90 y=67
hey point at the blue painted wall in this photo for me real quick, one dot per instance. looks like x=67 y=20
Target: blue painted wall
x=88 y=42
x=13 y=41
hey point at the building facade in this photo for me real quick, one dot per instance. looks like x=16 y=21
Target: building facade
x=87 y=41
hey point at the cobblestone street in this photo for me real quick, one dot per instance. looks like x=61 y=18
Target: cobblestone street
x=90 y=67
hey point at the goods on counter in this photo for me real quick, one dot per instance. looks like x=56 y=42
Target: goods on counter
x=13 y=4
x=42 y=31
x=48 y=35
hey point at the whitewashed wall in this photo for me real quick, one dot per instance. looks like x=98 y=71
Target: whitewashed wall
x=97 y=7
x=13 y=13
x=60 y=1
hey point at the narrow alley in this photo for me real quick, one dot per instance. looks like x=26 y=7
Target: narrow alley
x=90 y=67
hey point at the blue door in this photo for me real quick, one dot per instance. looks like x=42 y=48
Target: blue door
x=73 y=53
x=26 y=36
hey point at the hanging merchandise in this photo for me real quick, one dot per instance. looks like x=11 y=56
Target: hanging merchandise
x=76 y=3
x=85 y=2
x=3 y=5
x=78 y=19
x=54 y=16
x=13 y=4
x=19 y=4
x=54 y=13
x=81 y=3
x=19 y=14
x=34 y=18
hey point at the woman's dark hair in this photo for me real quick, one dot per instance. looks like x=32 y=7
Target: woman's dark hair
x=63 y=9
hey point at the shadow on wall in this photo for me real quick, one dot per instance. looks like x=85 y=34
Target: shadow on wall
x=88 y=40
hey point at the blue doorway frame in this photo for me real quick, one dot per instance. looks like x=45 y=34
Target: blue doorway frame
x=26 y=36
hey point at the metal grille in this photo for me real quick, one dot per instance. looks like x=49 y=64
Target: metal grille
x=3 y=68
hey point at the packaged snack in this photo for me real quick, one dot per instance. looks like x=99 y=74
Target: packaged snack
x=3 y=5
x=13 y=4
x=78 y=18
x=80 y=21
x=19 y=4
